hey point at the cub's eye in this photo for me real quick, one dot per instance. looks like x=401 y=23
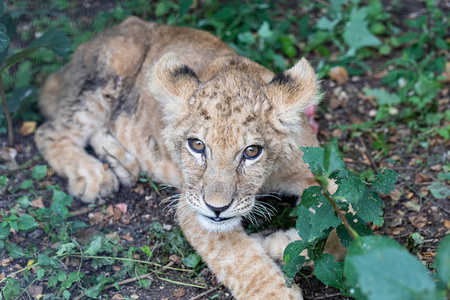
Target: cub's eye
x=196 y=145
x=252 y=152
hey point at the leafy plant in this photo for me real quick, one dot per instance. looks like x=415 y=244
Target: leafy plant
x=53 y=39
x=348 y=210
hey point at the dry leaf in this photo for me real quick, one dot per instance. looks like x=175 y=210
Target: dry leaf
x=38 y=203
x=175 y=259
x=125 y=219
x=412 y=206
x=127 y=237
x=178 y=293
x=139 y=189
x=446 y=73
x=339 y=74
x=122 y=207
x=134 y=296
x=447 y=223
x=109 y=212
x=27 y=128
x=6 y=261
x=117 y=297
x=35 y=290
x=117 y=214
x=2 y=276
x=116 y=268
x=418 y=221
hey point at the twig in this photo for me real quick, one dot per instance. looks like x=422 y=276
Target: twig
x=338 y=211
x=7 y=114
x=440 y=206
x=24 y=166
x=369 y=156
x=205 y=293
x=120 y=283
x=322 y=297
x=82 y=211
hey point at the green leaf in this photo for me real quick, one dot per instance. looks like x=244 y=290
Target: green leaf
x=293 y=250
x=54 y=39
x=357 y=35
x=94 y=246
x=442 y=263
x=61 y=275
x=377 y=267
x=26 y=184
x=313 y=156
x=383 y=97
x=385 y=181
x=329 y=271
x=192 y=260
x=60 y=203
x=357 y=224
x=66 y=294
x=5 y=228
x=27 y=222
x=40 y=273
x=370 y=208
x=184 y=7
x=246 y=38
x=427 y=88
x=351 y=189
x=312 y=196
x=323 y=219
x=39 y=172
x=264 y=31
x=94 y=291
x=45 y=261
x=15 y=251
x=4 y=38
x=332 y=159
x=294 y=266
x=12 y=289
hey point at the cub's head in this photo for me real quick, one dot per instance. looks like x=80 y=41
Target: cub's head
x=229 y=130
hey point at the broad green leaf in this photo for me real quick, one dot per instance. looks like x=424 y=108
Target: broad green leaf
x=65 y=248
x=46 y=261
x=60 y=203
x=94 y=247
x=313 y=156
x=94 y=291
x=39 y=172
x=325 y=24
x=66 y=294
x=15 y=251
x=40 y=273
x=370 y=208
x=332 y=159
x=293 y=250
x=27 y=222
x=323 y=219
x=439 y=190
x=26 y=184
x=357 y=35
x=312 y=196
x=264 y=31
x=383 y=97
x=377 y=267
x=442 y=263
x=351 y=189
x=246 y=37
x=8 y=22
x=426 y=88
x=61 y=275
x=385 y=181
x=329 y=271
x=4 y=38
x=357 y=224
x=303 y=225
x=294 y=266
x=192 y=260
x=11 y=289
x=184 y=7
x=54 y=39
x=5 y=228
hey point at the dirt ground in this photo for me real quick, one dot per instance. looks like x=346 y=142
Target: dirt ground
x=410 y=208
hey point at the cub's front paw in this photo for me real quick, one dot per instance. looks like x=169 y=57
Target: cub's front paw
x=92 y=181
x=128 y=171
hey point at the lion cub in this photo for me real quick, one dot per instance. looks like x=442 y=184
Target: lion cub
x=181 y=105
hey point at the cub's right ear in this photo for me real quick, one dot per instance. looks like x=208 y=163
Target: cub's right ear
x=172 y=84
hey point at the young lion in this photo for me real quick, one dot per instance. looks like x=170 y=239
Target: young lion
x=181 y=105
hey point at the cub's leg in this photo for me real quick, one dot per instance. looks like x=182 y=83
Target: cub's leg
x=238 y=260
x=124 y=164
x=62 y=140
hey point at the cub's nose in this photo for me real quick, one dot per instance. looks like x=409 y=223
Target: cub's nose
x=217 y=210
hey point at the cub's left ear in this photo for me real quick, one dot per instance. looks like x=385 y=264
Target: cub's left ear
x=172 y=84
x=292 y=91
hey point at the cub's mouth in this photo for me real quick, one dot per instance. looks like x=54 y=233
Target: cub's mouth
x=218 y=224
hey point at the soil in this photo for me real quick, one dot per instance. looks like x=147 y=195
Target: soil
x=411 y=208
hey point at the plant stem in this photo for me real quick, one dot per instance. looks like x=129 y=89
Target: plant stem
x=7 y=114
x=340 y=214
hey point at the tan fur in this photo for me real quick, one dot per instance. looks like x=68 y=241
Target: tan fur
x=139 y=91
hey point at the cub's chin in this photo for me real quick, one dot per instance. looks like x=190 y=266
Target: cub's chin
x=218 y=224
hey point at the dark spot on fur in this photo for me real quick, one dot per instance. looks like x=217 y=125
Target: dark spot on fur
x=204 y=114
x=249 y=119
x=281 y=79
x=126 y=103
x=184 y=71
